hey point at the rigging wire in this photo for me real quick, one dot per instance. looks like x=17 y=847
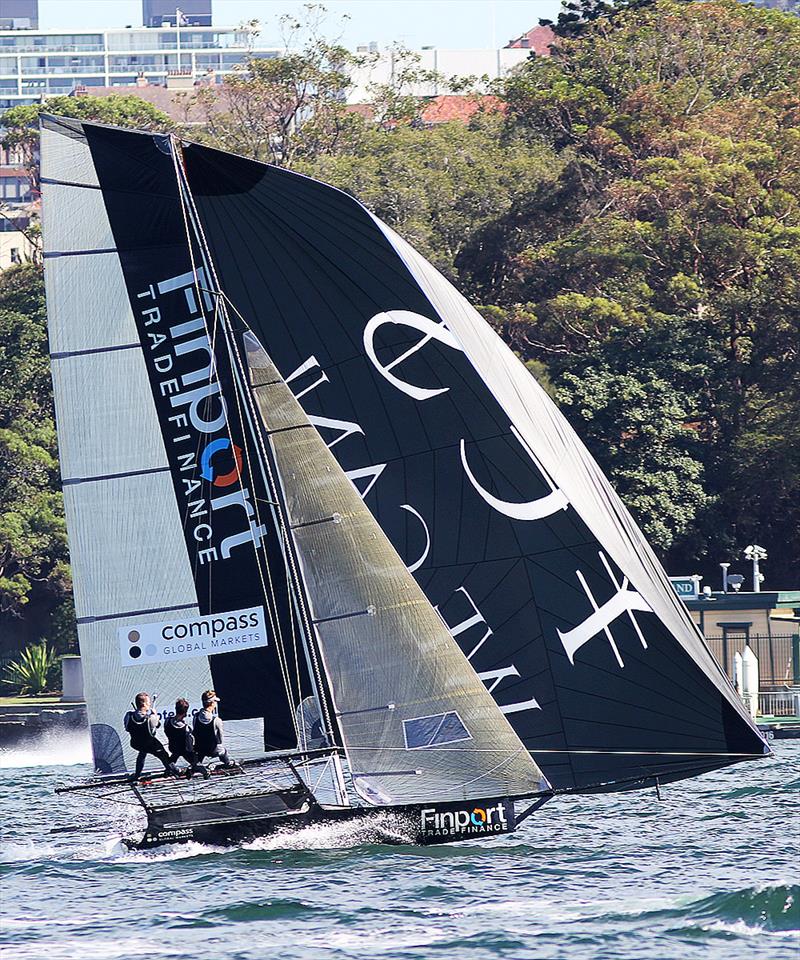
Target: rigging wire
x=265 y=462
x=262 y=563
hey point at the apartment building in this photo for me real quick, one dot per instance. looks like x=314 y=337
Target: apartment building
x=36 y=64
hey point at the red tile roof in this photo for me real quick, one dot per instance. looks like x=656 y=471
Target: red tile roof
x=538 y=39
x=449 y=107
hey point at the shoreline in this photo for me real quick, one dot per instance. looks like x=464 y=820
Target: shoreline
x=23 y=720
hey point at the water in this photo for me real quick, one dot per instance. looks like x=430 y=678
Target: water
x=711 y=872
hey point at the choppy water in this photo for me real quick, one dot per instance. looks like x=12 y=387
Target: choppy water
x=711 y=872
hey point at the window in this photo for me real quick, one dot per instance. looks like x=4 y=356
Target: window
x=15 y=257
x=434 y=731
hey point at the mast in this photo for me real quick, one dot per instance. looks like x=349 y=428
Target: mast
x=468 y=751
x=262 y=457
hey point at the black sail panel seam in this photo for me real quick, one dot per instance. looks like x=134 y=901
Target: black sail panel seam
x=66 y=354
x=342 y=616
x=70 y=183
x=55 y=254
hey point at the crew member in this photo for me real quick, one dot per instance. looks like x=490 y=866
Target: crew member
x=208 y=732
x=141 y=724
x=180 y=738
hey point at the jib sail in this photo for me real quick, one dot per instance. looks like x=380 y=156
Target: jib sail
x=416 y=722
x=178 y=574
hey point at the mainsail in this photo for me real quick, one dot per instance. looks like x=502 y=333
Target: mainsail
x=482 y=487
x=178 y=577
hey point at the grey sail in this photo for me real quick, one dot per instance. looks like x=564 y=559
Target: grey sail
x=416 y=722
x=117 y=489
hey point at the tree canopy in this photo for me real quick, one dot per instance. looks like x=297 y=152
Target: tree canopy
x=33 y=537
x=666 y=272
x=627 y=212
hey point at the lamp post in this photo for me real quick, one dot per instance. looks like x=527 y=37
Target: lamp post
x=754 y=553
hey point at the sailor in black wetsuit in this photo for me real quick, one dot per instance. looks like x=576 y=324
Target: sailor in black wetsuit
x=180 y=738
x=208 y=732
x=141 y=725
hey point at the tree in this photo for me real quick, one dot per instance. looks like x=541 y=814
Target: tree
x=283 y=108
x=33 y=539
x=661 y=267
x=577 y=16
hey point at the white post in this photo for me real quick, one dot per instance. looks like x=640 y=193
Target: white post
x=71 y=679
x=750 y=680
x=178 y=16
x=754 y=553
x=737 y=672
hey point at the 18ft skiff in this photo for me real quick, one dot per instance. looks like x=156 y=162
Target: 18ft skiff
x=299 y=468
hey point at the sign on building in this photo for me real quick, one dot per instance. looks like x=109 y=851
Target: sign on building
x=687 y=588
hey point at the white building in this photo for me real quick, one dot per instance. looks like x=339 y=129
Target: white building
x=14 y=246
x=461 y=64
x=36 y=64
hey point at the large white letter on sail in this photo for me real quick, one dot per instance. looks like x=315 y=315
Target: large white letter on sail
x=430 y=331
x=530 y=510
x=623 y=601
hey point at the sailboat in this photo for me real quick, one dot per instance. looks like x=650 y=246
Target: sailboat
x=299 y=468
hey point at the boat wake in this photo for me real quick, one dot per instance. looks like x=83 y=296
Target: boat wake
x=379 y=827
x=60 y=748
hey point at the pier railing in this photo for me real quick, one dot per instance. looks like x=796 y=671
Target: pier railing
x=779 y=703
x=778 y=656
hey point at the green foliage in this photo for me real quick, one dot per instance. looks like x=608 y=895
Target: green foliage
x=32 y=673
x=284 y=108
x=576 y=16
x=33 y=542
x=661 y=287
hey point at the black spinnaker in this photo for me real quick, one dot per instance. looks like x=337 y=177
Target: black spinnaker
x=482 y=487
